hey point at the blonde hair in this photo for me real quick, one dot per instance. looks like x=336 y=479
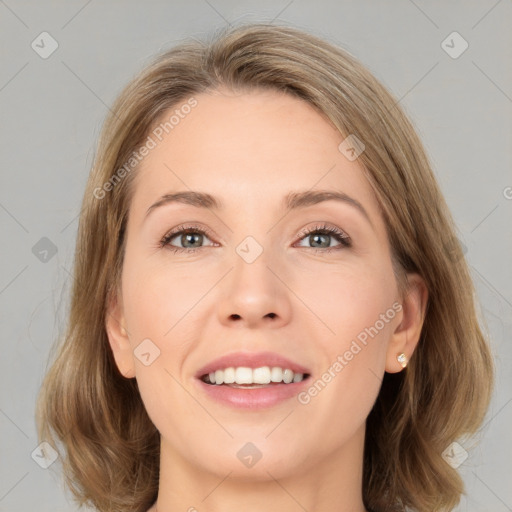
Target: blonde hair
x=110 y=448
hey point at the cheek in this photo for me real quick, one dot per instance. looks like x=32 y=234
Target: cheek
x=357 y=305
x=348 y=300
x=162 y=303
x=157 y=297
x=157 y=305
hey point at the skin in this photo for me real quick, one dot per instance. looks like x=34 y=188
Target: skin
x=250 y=149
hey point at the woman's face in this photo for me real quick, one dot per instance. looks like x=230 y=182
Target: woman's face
x=256 y=282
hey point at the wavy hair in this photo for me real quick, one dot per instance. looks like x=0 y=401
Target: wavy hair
x=110 y=452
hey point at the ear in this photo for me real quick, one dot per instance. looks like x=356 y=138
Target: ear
x=407 y=334
x=118 y=336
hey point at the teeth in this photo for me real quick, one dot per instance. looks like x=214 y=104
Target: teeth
x=287 y=376
x=297 y=377
x=219 y=376
x=276 y=375
x=229 y=375
x=262 y=375
x=242 y=376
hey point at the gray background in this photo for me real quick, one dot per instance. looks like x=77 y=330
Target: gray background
x=52 y=110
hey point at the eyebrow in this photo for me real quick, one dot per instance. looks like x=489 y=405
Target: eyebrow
x=292 y=201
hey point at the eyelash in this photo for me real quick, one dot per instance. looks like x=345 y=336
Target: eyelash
x=324 y=229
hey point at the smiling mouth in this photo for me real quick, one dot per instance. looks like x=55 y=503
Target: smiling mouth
x=248 y=378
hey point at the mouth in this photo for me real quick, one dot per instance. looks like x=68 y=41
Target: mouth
x=253 y=378
x=247 y=380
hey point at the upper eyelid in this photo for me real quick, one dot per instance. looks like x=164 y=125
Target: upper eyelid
x=182 y=228
x=320 y=226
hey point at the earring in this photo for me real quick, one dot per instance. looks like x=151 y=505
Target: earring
x=402 y=359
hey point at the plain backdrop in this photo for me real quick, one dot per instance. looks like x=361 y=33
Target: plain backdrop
x=52 y=108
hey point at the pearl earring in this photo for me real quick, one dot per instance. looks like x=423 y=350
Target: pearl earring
x=402 y=359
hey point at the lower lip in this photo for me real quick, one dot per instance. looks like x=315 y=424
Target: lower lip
x=256 y=398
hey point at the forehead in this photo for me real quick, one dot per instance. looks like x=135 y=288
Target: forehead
x=249 y=149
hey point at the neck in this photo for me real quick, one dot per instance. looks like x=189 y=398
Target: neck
x=324 y=483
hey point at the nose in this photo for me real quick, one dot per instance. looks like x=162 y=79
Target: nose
x=254 y=295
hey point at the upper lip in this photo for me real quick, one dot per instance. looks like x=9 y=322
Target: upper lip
x=251 y=360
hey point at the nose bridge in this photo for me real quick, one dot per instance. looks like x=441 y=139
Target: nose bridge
x=253 y=293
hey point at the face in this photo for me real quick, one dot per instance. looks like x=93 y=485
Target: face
x=312 y=283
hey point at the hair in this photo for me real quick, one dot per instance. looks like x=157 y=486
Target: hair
x=95 y=417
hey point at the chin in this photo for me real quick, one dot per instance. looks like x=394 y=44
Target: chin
x=251 y=458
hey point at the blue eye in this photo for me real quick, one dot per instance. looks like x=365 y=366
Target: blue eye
x=187 y=234
x=323 y=232
x=195 y=236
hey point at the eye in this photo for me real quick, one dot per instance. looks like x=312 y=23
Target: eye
x=190 y=238
x=321 y=236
